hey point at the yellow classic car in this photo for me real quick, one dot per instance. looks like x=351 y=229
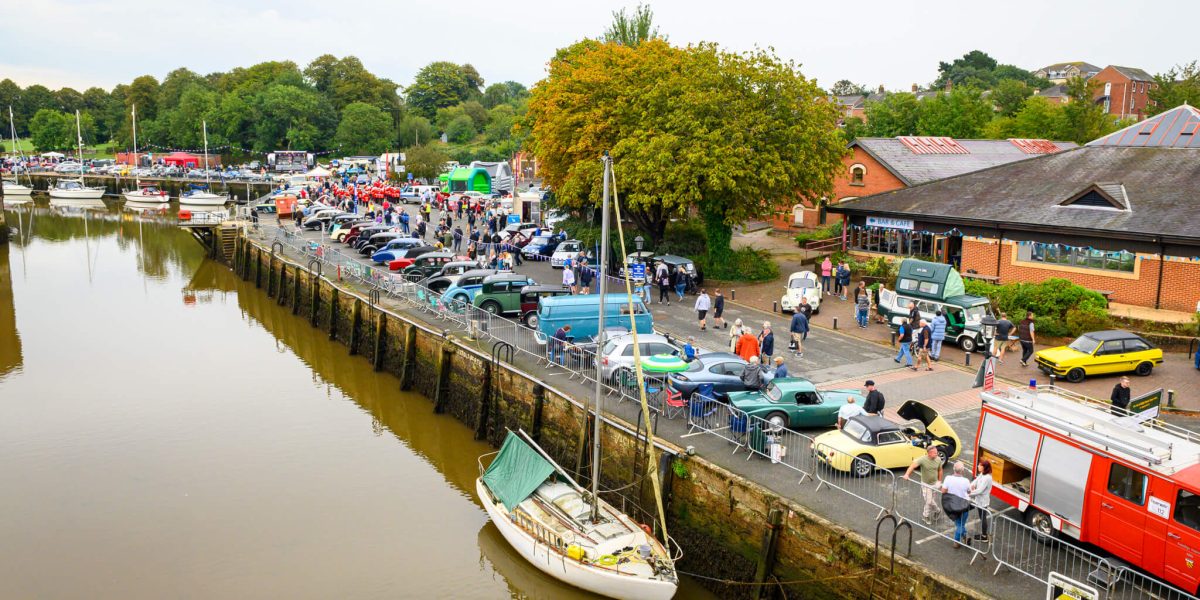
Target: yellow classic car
x=1098 y=353
x=868 y=442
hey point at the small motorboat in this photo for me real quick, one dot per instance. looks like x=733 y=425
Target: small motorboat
x=75 y=189
x=147 y=193
x=199 y=195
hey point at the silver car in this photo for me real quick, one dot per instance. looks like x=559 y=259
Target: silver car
x=617 y=354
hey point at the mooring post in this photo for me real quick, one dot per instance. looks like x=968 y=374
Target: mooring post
x=355 y=322
x=539 y=399
x=443 y=379
x=281 y=296
x=333 y=304
x=245 y=260
x=257 y=268
x=271 y=275
x=485 y=402
x=237 y=256
x=766 y=555
x=408 y=357
x=377 y=355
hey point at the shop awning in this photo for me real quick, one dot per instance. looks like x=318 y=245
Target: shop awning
x=516 y=472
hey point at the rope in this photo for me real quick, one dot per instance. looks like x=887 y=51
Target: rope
x=792 y=582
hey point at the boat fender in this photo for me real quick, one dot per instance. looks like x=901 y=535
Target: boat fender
x=575 y=552
x=646 y=528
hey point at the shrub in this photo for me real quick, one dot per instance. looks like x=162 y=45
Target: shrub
x=1062 y=308
x=824 y=233
x=743 y=264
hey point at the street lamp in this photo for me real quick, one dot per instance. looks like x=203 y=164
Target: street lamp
x=638 y=242
x=989 y=324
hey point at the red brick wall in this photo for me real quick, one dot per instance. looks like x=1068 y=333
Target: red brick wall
x=876 y=180
x=1181 y=278
x=1127 y=98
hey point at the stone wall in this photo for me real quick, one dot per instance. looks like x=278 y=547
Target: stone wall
x=720 y=517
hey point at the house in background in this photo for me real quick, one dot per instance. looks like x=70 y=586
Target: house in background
x=1055 y=93
x=1117 y=216
x=1059 y=73
x=876 y=165
x=1123 y=91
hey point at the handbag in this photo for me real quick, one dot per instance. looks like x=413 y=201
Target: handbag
x=955 y=506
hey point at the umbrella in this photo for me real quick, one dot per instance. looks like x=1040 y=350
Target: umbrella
x=664 y=363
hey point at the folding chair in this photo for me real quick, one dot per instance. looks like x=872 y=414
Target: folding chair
x=676 y=403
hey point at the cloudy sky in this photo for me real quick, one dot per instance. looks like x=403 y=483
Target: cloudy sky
x=896 y=43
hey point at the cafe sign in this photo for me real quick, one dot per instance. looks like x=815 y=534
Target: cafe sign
x=890 y=223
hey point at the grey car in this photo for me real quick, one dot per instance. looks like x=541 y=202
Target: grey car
x=617 y=354
x=723 y=370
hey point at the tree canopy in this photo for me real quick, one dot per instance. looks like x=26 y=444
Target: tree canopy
x=631 y=29
x=730 y=135
x=977 y=69
x=442 y=84
x=1178 y=85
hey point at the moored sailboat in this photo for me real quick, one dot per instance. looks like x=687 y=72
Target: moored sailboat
x=76 y=189
x=145 y=193
x=202 y=196
x=14 y=190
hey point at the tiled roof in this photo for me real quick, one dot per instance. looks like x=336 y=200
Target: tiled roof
x=1158 y=187
x=913 y=168
x=1086 y=67
x=1175 y=128
x=1133 y=73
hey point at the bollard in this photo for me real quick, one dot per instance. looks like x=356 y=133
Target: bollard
x=835 y=323
x=775 y=307
x=967 y=358
x=893 y=338
x=1170 y=398
x=733 y=295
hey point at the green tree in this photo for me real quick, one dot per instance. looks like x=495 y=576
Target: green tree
x=730 y=136
x=364 y=129
x=182 y=124
x=478 y=114
x=289 y=117
x=962 y=113
x=69 y=100
x=1084 y=119
x=143 y=93
x=448 y=114
x=500 y=123
x=1009 y=96
x=95 y=101
x=631 y=29
x=33 y=99
x=845 y=87
x=441 y=84
x=1037 y=118
x=977 y=69
x=414 y=130
x=52 y=130
x=853 y=128
x=460 y=129
x=1177 y=86
x=508 y=92
x=170 y=92
x=425 y=161
x=346 y=81
x=896 y=114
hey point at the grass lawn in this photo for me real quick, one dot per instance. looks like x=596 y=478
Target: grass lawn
x=105 y=150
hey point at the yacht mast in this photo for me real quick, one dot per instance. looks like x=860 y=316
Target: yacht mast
x=204 y=126
x=603 y=290
x=136 y=177
x=79 y=139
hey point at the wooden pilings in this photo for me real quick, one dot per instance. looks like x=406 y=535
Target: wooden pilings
x=271 y=275
x=257 y=268
x=485 y=402
x=766 y=555
x=377 y=356
x=355 y=323
x=333 y=302
x=316 y=299
x=296 y=291
x=409 y=358
x=443 y=379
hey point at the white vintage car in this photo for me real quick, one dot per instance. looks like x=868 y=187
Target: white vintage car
x=802 y=284
x=564 y=252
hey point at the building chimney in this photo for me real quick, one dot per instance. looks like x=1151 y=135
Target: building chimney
x=915 y=88
x=949 y=86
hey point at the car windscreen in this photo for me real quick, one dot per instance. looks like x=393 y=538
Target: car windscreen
x=1084 y=344
x=568 y=247
x=856 y=430
x=975 y=314
x=539 y=241
x=773 y=392
x=801 y=283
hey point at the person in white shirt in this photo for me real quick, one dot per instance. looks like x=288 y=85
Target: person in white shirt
x=981 y=497
x=848 y=411
x=569 y=279
x=958 y=485
x=703 y=303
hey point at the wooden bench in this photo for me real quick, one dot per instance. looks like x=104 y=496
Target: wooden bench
x=1106 y=293
x=981 y=277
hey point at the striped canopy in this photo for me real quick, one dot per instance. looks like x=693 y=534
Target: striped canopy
x=664 y=363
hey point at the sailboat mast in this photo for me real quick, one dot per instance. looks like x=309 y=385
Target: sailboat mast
x=603 y=289
x=136 y=177
x=204 y=127
x=12 y=127
x=79 y=139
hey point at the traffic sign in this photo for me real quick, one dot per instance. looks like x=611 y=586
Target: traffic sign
x=637 y=270
x=989 y=373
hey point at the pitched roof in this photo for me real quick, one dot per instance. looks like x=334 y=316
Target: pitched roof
x=914 y=167
x=1175 y=128
x=1157 y=186
x=1133 y=73
x=1054 y=91
x=1083 y=66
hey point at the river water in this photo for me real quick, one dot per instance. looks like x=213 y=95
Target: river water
x=167 y=431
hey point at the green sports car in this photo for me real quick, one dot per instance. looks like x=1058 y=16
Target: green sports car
x=795 y=403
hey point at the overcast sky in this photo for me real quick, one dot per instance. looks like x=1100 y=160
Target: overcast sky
x=894 y=43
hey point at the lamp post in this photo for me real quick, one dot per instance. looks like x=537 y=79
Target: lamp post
x=988 y=324
x=638 y=244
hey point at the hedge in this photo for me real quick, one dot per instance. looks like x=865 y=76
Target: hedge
x=1062 y=308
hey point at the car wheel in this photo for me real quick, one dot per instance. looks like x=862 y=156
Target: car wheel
x=491 y=307
x=620 y=375
x=462 y=298
x=778 y=420
x=864 y=465
x=1076 y=375
x=1144 y=369
x=531 y=320
x=1040 y=522
x=943 y=454
x=967 y=344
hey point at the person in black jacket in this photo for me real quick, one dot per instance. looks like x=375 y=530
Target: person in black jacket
x=1120 y=397
x=875 y=401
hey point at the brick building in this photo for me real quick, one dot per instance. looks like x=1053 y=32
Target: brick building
x=1123 y=91
x=876 y=165
x=1118 y=215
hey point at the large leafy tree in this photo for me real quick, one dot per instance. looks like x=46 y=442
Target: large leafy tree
x=977 y=69
x=33 y=99
x=346 y=81
x=1177 y=86
x=441 y=84
x=290 y=117
x=1037 y=118
x=1084 y=119
x=508 y=92
x=896 y=114
x=425 y=161
x=961 y=113
x=364 y=129
x=55 y=130
x=1009 y=96
x=730 y=136
x=845 y=87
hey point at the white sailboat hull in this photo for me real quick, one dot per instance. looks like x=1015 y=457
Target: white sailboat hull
x=16 y=189
x=79 y=194
x=595 y=580
x=138 y=196
x=204 y=199
x=87 y=203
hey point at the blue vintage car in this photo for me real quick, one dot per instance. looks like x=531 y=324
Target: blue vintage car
x=394 y=249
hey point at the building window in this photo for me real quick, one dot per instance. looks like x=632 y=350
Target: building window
x=1054 y=254
x=857 y=173
x=890 y=241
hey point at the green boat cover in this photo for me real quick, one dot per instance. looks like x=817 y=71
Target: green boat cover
x=516 y=472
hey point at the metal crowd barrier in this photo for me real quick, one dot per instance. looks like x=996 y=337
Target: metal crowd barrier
x=921 y=505
x=782 y=446
x=709 y=415
x=855 y=476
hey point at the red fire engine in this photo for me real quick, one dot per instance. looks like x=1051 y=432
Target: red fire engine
x=1127 y=484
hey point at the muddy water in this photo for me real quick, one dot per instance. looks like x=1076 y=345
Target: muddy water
x=167 y=431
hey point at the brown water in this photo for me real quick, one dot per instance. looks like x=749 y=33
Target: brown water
x=167 y=431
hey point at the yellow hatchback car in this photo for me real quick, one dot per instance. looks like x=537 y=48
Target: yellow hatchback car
x=1100 y=353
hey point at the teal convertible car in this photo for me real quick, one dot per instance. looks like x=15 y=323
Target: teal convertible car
x=795 y=403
